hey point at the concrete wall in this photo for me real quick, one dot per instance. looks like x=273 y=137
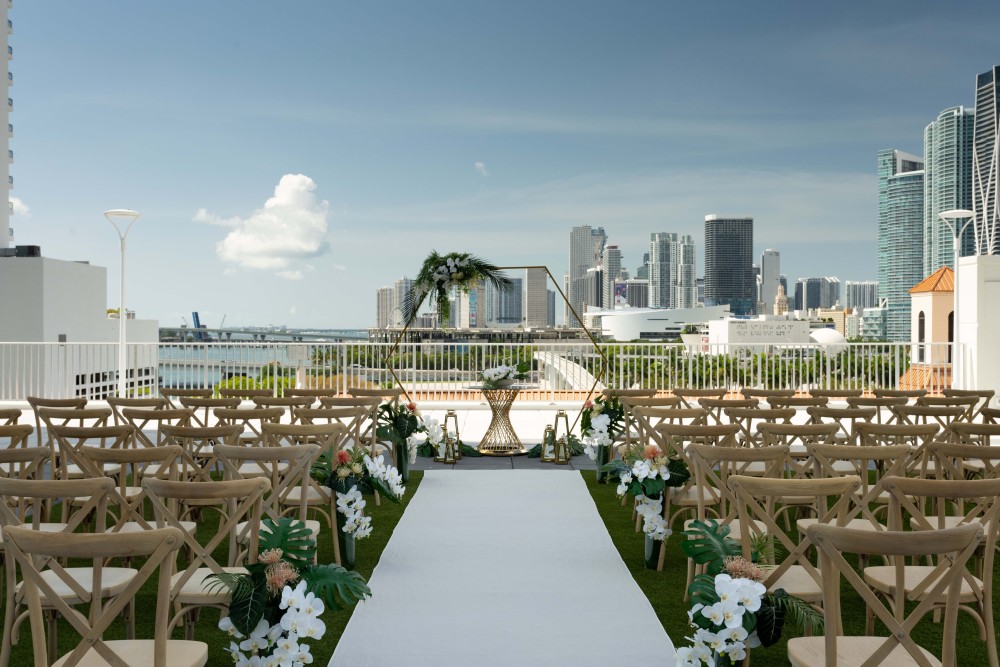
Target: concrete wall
x=979 y=322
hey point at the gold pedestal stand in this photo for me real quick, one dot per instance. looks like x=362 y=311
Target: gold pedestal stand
x=500 y=439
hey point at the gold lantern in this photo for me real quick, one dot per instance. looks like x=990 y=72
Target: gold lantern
x=562 y=453
x=451 y=432
x=549 y=445
x=561 y=416
x=446 y=454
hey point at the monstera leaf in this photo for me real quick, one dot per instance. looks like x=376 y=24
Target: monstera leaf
x=708 y=544
x=337 y=587
x=297 y=544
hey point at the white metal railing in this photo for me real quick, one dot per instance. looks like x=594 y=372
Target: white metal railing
x=450 y=370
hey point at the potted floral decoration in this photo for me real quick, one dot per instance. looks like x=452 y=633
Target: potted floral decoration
x=350 y=473
x=441 y=273
x=276 y=606
x=504 y=375
x=645 y=473
x=602 y=421
x=732 y=610
x=398 y=423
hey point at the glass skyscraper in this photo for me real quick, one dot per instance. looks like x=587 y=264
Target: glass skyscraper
x=900 y=236
x=947 y=184
x=986 y=162
x=729 y=275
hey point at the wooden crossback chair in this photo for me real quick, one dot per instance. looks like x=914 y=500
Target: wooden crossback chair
x=312 y=392
x=835 y=393
x=23 y=464
x=648 y=418
x=797 y=402
x=197 y=444
x=690 y=396
x=943 y=416
x=285 y=467
x=977 y=433
x=202 y=407
x=393 y=396
x=287 y=403
x=797 y=437
x=908 y=394
x=241 y=501
x=716 y=406
x=142 y=418
x=626 y=396
x=14 y=437
x=62 y=416
x=750 y=392
x=68 y=439
x=833 y=648
x=151 y=403
x=990 y=415
x=250 y=421
x=244 y=394
x=969 y=403
x=883 y=406
x=846 y=418
x=175 y=395
x=631 y=429
x=9 y=416
x=964 y=461
x=917 y=436
x=711 y=468
x=351 y=418
x=979 y=501
x=983 y=396
x=33 y=496
x=159 y=547
x=759 y=503
x=747 y=419
x=37 y=402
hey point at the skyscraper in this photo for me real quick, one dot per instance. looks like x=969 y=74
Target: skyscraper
x=729 y=263
x=860 y=295
x=947 y=184
x=770 y=276
x=900 y=236
x=585 y=248
x=383 y=308
x=671 y=271
x=612 y=264
x=505 y=308
x=685 y=290
x=536 y=303
x=986 y=162
x=642 y=273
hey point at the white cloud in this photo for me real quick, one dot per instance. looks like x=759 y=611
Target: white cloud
x=20 y=208
x=291 y=226
x=481 y=168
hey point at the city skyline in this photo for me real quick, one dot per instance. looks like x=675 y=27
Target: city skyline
x=223 y=127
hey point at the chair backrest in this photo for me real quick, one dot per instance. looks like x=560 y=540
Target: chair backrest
x=286 y=403
x=833 y=542
x=37 y=402
x=384 y=395
x=962 y=461
x=69 y=439
x=852 y=417
x=202 y=407
x=23 y=463
x=149 y=403
x=352 y=419
x=47 y=416
x=758 y=500
x=141 y=418
x=689 y=396
x=712 y=467
x=29 y=548
x=796 y=434
x=715 y=406
x=15 y=436
x=943 y=416
x=797 y=401
x=969 y=403
x=9 y=416
x=249 y=420
x=33 y=495
x=835 y=393
x=174 y=395
x=747 y=419
x=196 y=444
x=978 y=433
x=873 y=465
x=314 y=393
x=674 y=438
x=984 y=397
x=126 y=501
x=285 y=467
x=750 y=392
x=242 y=502
x=630 y=393
x=899 y=393
x=245 y=394
x=990 y=415
x=883 y=406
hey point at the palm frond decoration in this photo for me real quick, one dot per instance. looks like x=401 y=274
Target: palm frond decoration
x=440 y=273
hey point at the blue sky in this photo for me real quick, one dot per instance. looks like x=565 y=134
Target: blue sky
x=490 y=128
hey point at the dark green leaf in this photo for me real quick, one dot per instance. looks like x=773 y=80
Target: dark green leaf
x=290 y=535
x=383 y=489
x=247 y=605
x=679 y=472
x=707 y=543
x=770 y=622
x=337 y=587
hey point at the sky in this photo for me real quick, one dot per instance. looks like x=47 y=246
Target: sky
x=291 y=158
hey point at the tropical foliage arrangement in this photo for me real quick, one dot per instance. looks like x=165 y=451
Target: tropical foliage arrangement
x=602 y=420
x=499 y=375
x=351 y=473
x=398 y=423
x=277 y=604
x=440 y=273
x=732 y=610
x=645 y=473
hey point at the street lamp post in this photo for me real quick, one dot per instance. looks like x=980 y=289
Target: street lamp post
x=952 y=218
x=122 y=218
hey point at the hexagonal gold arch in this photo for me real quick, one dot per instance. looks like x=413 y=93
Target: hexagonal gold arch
x=597 y=348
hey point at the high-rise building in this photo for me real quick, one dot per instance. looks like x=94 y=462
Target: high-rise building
x=780 y=301
x=536 y=303
x=900 y=236
x=505 y=307
x=783 y=281
x=808 y=293
x=383 y=307
x=671 y=271
x=685 y=290
x=947 y=184
x=642 y=273
x=986 y=163
x=472 y=307
x=586 y=245
x=594 y=296
x=770 y=276
x=860 y=295
x=729 y=264
x=637 y=293
x=611 y=261
x=829 y=295
x=6 y=233
x=552 y=307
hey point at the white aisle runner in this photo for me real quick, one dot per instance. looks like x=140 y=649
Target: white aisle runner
x=503 y=567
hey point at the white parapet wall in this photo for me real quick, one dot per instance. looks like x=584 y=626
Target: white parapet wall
x=979 y=322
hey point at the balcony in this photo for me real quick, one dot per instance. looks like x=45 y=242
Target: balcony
x=10 y=53
x=10 y=27
x=10 y=156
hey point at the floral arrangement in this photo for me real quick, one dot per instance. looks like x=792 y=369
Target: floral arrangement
x=644 y=472
x=732 y=610
x=350 y=473
x=498 y=375
x=602 y=420
x=440 y=273
x=398 y=423
x=278 y=603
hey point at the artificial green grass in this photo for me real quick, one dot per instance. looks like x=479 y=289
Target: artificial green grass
x=665 y=591
x=369 y=550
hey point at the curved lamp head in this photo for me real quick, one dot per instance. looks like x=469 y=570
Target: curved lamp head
x=957 y=214
x=122 y=216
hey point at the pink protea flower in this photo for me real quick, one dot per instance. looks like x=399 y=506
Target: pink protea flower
x=343 y=456
x=740 y=568
x=411 y=406
x=278 y=575
x=270 y=556
x=650 y=452
x=588 y=404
